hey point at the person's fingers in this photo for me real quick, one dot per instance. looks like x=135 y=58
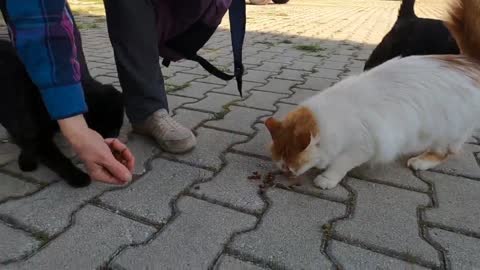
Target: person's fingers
x=116 y=144
x=129 y=159
x=121 y=153
x=116 y=169
x=98 y=173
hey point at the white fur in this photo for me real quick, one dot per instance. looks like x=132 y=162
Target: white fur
x=405 y=106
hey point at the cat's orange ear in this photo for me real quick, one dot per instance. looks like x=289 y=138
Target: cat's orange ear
x=273 y=125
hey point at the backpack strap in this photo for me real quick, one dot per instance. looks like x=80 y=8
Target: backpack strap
x=238 y=20
x=211 y=68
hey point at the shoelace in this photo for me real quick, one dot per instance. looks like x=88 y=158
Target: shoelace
x=160 y=123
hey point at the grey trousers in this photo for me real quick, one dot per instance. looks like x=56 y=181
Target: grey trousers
x=133 y=34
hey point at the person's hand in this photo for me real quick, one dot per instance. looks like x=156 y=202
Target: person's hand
x=97 y=153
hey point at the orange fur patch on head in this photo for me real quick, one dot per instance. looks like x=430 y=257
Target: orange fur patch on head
x=292 y=136
x=466 y=65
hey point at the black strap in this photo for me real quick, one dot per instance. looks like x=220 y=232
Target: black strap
x=211 y=68
x=238 y=20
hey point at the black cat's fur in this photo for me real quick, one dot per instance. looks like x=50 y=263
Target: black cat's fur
x=411 y=35
x=26 y=119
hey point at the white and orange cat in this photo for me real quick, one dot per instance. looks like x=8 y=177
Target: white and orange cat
x=426 y=106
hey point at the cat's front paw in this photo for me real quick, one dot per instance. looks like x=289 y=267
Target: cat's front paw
x=27 y=164
x=78 y=179
x=422 y=164
x=324 y=182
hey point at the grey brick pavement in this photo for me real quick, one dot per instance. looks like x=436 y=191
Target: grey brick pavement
x=199 y=210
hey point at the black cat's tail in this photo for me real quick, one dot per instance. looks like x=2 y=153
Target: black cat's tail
x=407 y=10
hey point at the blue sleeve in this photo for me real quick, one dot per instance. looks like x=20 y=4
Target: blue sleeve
x=43 y=34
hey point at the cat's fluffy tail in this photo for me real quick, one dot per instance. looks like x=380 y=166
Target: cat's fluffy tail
x=464 y=23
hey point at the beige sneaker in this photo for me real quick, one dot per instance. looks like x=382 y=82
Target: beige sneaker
x=169 y=134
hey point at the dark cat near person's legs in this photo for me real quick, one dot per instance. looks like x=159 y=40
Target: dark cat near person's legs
x=26 y=119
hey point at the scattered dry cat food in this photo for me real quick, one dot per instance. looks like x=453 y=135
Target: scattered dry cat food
x=255 y=176
x=268 y=180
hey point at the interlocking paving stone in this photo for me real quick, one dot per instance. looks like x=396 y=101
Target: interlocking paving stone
x=197 y=71
x=333 y=65
x=142 y=148
x=347 y=52
x=261 y=100
x=463 y=164
x=339 y=58
x=327 y=73
x=8 y=152
x=49 y=210
x=386 y=217
x=291 y=74
x=195 y=90
x=13 y=187
x=149 y=197
x=356 y=64
x=172 y=70
x=302 y=233
x=347 y=33
x=232 y=186
x=259 y=144
x=182 y=78
x=190 y=118
x=352 y=257
x=311 y=59
x=213 y=80
x=462 y=251
x=211 y=143
x=213 y=102
x=106 y=233
x=15 y=243
x=176 y=101
x=269 y=66
x=231 y=263
x=231 y=88
x=253 y=60
x=198 y=234
x=299 y=96
x=316 y=83
x=3 y=133
x=458 y=200
x=258 y=75
x=106 y=79
x=238 y=119
x=42 y=174
x=278 y=86
x=267 y=55
x=305 y=182
x=186 y=63
x=395 y=173
x=283 y=59
x=299 y=65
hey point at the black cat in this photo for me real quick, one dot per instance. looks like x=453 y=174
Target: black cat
x=411 y=35
x=25 y=117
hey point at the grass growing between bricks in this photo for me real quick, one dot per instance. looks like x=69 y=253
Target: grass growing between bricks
x=309 y=48
x=286 y=41
x=87 y=26
x=225 y=111
x=171 y=88
x=41 y=237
